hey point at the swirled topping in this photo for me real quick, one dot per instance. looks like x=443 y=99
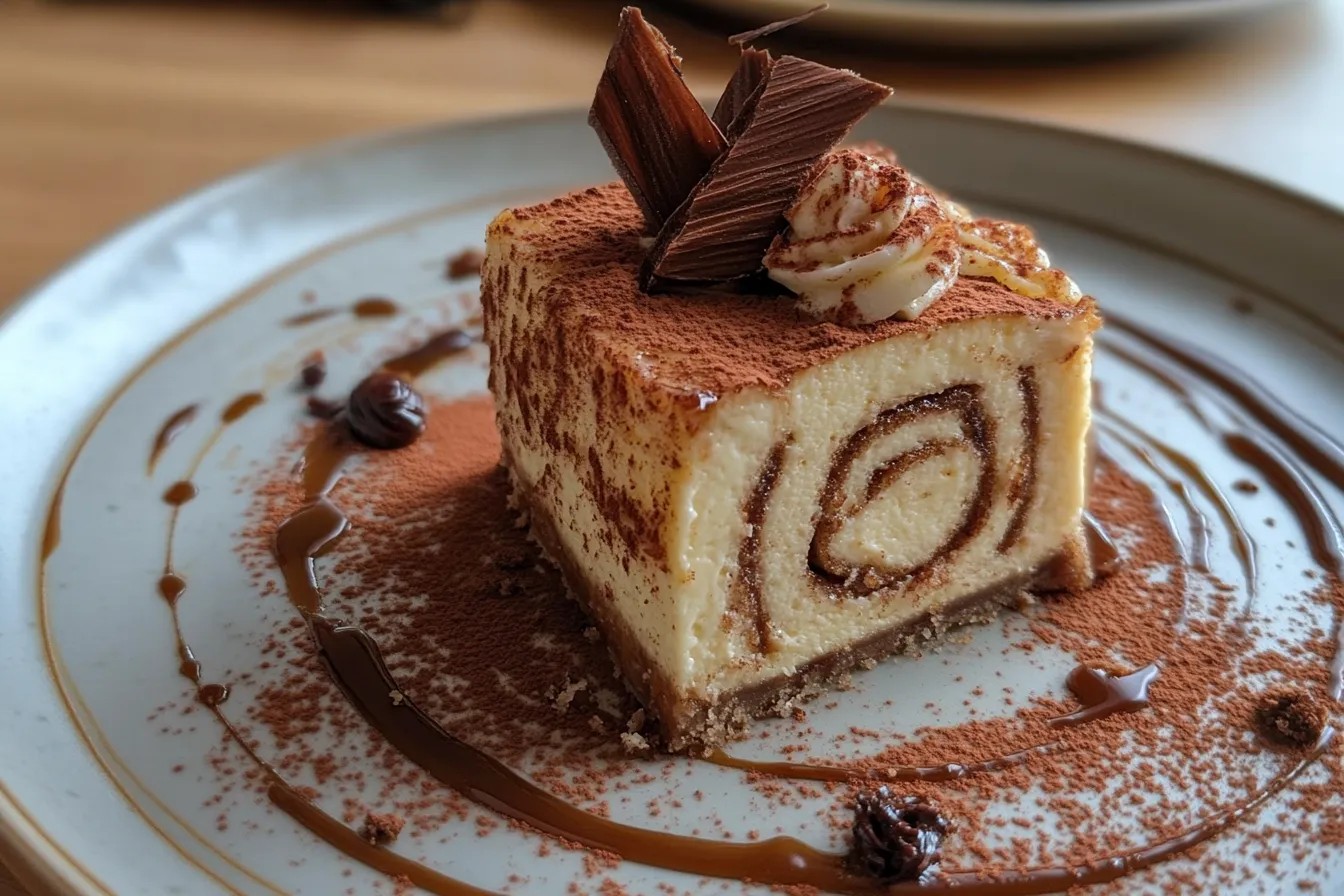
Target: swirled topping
x=865 y=243
x=1010 y=254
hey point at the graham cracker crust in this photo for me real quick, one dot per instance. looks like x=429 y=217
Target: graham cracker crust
x=691 y=724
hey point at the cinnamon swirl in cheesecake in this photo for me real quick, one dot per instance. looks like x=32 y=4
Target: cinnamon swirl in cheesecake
x=755 y=483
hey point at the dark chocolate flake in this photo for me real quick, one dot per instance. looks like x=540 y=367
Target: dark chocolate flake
x=658 y=136
x=751 y=70
x=747 y=37
x=800 y=111
x=896 y=838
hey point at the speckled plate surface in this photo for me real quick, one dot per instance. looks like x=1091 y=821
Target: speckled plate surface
x=108 y=787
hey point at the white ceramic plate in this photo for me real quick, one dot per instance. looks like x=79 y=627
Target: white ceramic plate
x=90 y=801
x=1004 y=24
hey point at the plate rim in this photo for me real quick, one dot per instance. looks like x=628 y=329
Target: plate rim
x=33 y=855
x=143 y=222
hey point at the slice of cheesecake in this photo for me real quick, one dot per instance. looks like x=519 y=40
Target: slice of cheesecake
x=751 y=501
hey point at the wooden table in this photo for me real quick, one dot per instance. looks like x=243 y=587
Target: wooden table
x=109 y=109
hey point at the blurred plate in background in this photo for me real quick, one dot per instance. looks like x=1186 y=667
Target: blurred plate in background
x=1006 y=25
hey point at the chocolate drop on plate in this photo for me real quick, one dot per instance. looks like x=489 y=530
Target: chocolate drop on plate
x=179 y=493
x=385 y=412
x=171 y=587
x=896 y=838
x=171 y=429
x=374 y=307
x=240 y=406
x=213 y=694
x=313 y=370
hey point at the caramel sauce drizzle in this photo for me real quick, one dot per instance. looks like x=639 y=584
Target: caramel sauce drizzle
x=239 y=407
x=179 y=493
x=1266 y=427
x=372 y=307
x=171 y=429
x=1197 y=555
x=1103 y=550
x=1100 y=694
x=1105 y=695
x=356 y=664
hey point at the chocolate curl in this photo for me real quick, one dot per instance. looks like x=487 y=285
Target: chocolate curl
x=659 y=138
x=752 y=69
x=799 y=112
x=746 y=37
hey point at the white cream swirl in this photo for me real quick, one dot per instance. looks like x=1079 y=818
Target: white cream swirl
x=865 y=243
x=1010 y=254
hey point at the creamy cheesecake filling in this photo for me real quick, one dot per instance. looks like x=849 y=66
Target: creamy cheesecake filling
x=885 y=496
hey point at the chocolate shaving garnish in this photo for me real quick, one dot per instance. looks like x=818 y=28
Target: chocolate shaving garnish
x=800 y=111
x=751 y=70
x=896 y=838
x=659 y=138
x=747 y=37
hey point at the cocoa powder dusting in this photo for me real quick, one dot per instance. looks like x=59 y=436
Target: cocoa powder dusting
x=713 y=341
x=483 y=638
x=1187 y=756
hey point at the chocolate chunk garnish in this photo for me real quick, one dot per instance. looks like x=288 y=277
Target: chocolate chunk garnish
x=1291 y=716
x=314 y=370
x=746 y=37
x=658 y=137
x=896 y=838
x=751 y=70
x=385 y=412
x=381 y=829
x=800 y=111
